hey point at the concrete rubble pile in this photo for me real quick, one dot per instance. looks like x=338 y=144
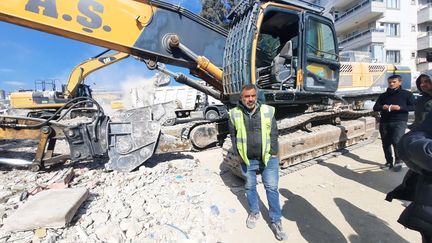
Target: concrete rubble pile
x=168 y=200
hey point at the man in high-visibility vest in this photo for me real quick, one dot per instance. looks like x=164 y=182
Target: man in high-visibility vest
x=254 y=136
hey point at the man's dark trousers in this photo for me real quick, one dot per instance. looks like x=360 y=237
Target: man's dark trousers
x=391 y=133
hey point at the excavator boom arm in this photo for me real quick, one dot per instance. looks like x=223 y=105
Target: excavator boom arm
x=139 y=28
x=144 y=29
x=81 y=71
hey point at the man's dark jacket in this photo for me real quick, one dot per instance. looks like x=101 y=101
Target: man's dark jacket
x=401 y=97
x=415 y=149
x=253 y=130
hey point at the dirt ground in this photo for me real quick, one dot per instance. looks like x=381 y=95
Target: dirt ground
x=340 y=199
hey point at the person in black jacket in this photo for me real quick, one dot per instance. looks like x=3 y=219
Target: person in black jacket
x=393 y=105
x=415 y=148
x=423 y=104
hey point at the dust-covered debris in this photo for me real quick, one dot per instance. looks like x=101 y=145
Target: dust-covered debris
x=167 y=200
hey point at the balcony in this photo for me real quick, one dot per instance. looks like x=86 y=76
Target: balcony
x=424 y=41
x=363 y=38
x=361 y=13
x=425 y=14
x=421 y=60
x=338 y=4
x=424 y=66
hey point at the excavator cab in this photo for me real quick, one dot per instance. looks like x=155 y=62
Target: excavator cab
x=84 y=90
x=289 y=51
x=321 y=64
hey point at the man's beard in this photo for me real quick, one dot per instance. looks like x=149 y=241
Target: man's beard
x=251 y=106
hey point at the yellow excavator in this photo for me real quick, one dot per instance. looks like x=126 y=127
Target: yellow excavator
x=43 y=103
x=288 y=49
x=362 y=79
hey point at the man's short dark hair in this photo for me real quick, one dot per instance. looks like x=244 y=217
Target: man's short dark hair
x=249 y=86
x=395 y=76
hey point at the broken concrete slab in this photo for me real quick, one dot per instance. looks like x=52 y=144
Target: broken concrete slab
x=4 y=195
x=61 y=179
x=50 y=209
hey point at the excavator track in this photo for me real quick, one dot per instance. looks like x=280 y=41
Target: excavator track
x=193 y=136
x=322 y=158
x=232 y=162
x=330 y=116
x=300 y=144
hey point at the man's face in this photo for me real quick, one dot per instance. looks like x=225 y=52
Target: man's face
x=248 y=98
x=394 y=83
x=425 y=84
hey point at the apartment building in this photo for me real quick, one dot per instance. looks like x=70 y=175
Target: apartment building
x=424 y=40
x=387 y=29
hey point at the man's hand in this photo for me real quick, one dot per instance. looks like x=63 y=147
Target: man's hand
x=391 y=107
x=395 y=107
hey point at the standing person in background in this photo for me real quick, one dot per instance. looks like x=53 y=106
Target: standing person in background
x=424 y=103
x=393 y=105
x=254 y=136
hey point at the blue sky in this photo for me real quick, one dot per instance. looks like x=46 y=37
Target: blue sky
x=28 y=55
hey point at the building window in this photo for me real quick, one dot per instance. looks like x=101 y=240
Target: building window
x=428 y=30
x=393 y=4
x=393 y=56
x=392 y=29
x=413 y=54
x=377 y=50
x=413 y=28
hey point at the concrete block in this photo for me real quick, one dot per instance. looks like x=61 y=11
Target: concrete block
x=49 y=209
x=61 y=179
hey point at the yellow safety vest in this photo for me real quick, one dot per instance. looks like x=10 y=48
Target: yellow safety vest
x=236 y=116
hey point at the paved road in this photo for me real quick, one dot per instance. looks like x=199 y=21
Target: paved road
x=338 y=200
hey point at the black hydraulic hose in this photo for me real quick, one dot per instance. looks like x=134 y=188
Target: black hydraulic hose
x=70 y=108
x=73 y=106
x=100 y=54
x=85 y=99
x=55 y=114
x=95 y=119
x=181 y=78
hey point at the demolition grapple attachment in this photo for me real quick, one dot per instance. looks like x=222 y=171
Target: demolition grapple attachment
x=128 y=139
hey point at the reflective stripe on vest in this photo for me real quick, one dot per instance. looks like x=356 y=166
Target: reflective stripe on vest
x=266 y=113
